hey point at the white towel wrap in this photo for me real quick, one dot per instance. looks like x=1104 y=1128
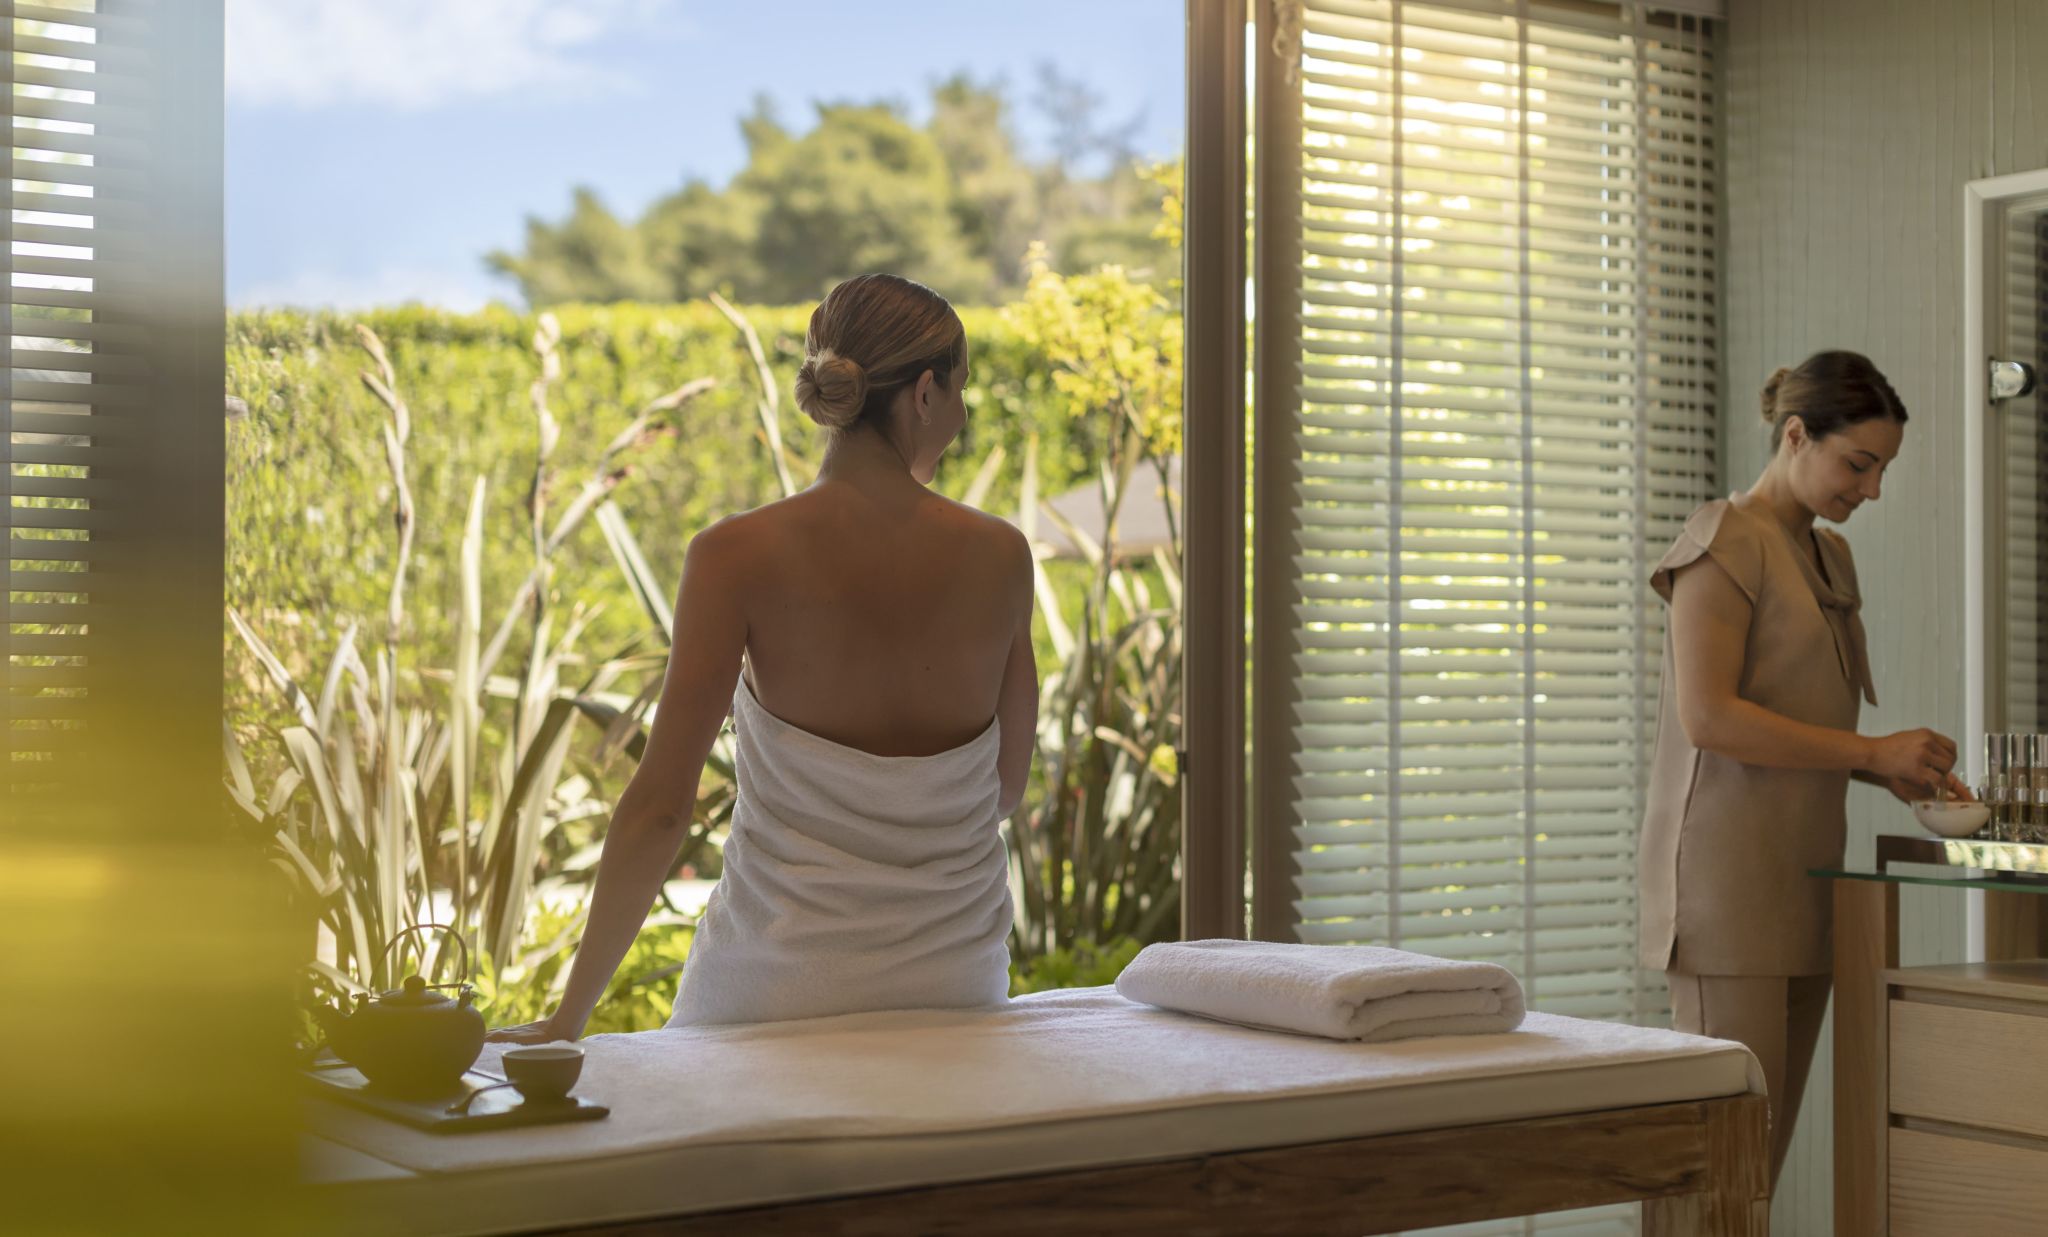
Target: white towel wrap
x=852 y=881
x=1339 y=991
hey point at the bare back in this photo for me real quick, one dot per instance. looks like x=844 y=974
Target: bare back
x=881 y=620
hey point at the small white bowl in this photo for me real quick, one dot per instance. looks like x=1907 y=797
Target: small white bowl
x=1951 y=819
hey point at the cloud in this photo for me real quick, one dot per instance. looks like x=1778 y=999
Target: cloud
x=409 y=55
x=460 y=290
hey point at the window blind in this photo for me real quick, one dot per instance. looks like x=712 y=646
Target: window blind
x=113 y=844
x=49 y=461
x=2024 y=458
x=1500 y=316
x=110 y=405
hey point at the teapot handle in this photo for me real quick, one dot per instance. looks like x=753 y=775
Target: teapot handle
x=462 y=971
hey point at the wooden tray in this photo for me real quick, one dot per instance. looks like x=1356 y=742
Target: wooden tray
x=501 y=1109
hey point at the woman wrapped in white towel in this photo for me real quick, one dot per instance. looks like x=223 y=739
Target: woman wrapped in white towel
x=872 y=640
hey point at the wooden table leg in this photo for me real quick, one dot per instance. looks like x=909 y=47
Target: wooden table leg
x=1737 y=1200
x=1866 y=944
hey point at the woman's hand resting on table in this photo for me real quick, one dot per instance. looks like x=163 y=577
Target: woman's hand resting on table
x=546 y=1031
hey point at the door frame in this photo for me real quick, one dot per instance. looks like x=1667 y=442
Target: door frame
x=1212 y=755
x=1986 y=203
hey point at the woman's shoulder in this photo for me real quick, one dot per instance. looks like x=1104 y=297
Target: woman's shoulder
x=1722 y=530
x=993 y=541
x=970 y=530
x=993 y=529
x=1724 y=520
x=1723 y=525
x=954 y=529
x=731 y=537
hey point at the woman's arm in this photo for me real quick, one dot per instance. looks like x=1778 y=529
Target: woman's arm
x=1710 y=619
x=1017 y=703
x=652 y=819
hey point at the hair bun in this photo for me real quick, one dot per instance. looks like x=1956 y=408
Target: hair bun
x=831 y=388
x=1771 y=385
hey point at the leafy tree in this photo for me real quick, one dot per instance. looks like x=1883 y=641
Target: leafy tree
x=997 y=199
x=955 y=203
x=702 y=240
x=862 y=191
x=1074 y=108
x=590 y=256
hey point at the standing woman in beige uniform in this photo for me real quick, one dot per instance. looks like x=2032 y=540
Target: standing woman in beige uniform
x=1764 y=673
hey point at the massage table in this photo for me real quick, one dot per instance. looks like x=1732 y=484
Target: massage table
x=1078 y=1111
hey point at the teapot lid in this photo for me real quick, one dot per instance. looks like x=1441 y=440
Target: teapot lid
x=414 y=993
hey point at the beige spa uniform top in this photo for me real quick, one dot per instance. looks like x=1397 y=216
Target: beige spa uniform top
x=1726 y=846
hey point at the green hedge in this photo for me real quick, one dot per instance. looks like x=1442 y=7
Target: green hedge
x=310 y=539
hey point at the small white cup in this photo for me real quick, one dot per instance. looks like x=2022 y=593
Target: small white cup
x=543 y=1073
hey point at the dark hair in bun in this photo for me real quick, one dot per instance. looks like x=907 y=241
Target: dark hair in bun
x=869 y=338
x=1828 y=391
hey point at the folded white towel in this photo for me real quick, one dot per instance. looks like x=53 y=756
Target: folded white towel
x=1339 y=991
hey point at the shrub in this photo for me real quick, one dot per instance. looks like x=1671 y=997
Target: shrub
x=1095 y=855
x=391 y=812
x=310 y=495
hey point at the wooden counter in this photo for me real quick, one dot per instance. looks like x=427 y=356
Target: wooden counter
x=1937 y=1068
x=1967 y=1100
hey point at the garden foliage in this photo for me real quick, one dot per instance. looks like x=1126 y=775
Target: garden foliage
x=452 y=545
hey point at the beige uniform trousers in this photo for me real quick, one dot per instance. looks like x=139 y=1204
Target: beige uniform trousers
x=1777 y=1017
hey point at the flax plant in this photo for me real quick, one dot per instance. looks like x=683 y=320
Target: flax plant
x=388 y=814
x=1095 y=854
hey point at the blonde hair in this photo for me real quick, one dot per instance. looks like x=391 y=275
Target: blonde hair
x=1827 y=391
x=871 y=337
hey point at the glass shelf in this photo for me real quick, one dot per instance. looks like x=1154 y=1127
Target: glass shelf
x=2003 y=882
x=1970 y=863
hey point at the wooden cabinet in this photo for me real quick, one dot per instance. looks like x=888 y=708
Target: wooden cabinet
x=1966 y=1103
x=1945 y=1186
x=1966 y=1100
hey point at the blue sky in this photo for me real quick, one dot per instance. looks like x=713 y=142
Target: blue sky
x=376 y=149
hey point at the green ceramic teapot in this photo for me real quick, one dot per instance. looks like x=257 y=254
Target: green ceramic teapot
x=411 y=1040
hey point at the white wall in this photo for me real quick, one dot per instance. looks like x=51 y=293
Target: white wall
x=1850 y=127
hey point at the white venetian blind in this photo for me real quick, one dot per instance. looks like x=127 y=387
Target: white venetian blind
x=2024 y=454
x=1506 y=411
x=113 y=844
x=109 y=446
x=51 y=104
